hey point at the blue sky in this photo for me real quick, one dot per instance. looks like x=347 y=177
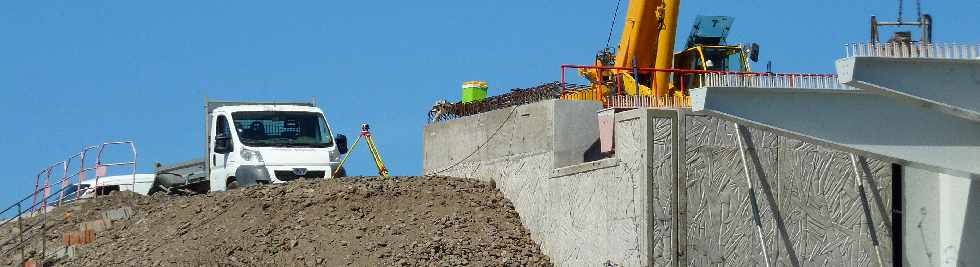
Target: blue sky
x=74 y=73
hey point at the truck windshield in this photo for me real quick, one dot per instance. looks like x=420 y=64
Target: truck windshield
x=282 y=129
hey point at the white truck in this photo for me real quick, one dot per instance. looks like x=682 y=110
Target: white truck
x=250 y=143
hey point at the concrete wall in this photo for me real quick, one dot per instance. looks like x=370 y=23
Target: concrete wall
x=942 y=219
x=566 y=129
x=585 y=214
x=674 y=194
x=808 y=200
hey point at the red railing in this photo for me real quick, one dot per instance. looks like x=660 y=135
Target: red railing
x=685 y=78
x=687 y=72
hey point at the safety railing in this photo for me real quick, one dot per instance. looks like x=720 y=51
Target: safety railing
x=42 y=187
x=913 y=50
x=29 y=223
x=772 y=80
x=31 y=217
x=80 y=175
x=682 y=79
x=102 y=168
x=637 y=101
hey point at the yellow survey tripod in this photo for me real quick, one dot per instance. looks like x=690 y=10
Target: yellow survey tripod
x=366 y=134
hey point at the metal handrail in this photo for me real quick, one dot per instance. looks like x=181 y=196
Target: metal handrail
x=30 y=226
x=564 y=68
x=99 y=163
x=913 y=50
x=772 y=80
x=620 y=99
x=42 y=196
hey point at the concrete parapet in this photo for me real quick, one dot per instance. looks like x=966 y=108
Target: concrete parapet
x=566 y=129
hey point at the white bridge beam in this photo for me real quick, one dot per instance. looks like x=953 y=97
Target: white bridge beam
x=947 y=85
x=854 y=121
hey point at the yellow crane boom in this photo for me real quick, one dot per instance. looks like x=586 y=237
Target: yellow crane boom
x=640 y=33
x=665 y=47
x=647 y=42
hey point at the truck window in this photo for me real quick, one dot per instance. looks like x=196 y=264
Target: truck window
x=222 y=126
x=282 y=129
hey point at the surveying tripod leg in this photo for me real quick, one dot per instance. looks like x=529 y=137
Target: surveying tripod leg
x=349 y=151
x=382 y=170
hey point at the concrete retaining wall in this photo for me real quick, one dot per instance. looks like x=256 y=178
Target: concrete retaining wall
x=665 y=200
x=583 y=214
x=808 y=200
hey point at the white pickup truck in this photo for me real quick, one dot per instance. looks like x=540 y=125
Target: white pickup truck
x=249 y=143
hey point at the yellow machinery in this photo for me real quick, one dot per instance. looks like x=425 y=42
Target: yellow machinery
x=699 y=58
x=366 y=135
x=647 y=42
x=649 y=33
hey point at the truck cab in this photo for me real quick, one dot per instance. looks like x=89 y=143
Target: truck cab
x=261 y=143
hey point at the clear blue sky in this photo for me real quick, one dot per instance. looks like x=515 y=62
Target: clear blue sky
x=80 y=72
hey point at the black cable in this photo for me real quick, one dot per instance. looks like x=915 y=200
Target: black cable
x=494 y=134
x=900 y=4
x=918 y=9
x=613 y=24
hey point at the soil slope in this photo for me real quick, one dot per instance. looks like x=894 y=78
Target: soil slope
x=363 y=221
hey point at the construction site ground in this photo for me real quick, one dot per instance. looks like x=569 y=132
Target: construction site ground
x=363 y=221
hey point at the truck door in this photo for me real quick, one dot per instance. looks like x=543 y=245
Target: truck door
x=222 y=147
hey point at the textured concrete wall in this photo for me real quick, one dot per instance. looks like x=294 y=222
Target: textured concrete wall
x=810 y=209
x=662 y=172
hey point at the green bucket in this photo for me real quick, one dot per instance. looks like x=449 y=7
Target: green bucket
x=474 y=91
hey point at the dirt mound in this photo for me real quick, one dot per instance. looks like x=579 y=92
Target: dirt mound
x=355 y=221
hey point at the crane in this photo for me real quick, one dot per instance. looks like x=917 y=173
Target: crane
x=647 y=42
x=649 y=33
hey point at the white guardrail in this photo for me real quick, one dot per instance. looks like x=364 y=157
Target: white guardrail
x=913 y=50
x=810 y=81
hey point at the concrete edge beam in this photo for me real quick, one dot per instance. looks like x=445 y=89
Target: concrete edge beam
x=854 y=121
x=948 y=85
x=584 y=167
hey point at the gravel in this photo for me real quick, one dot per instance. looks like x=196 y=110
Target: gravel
x=404 y=221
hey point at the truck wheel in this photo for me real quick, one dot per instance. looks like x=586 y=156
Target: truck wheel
x=232 y=185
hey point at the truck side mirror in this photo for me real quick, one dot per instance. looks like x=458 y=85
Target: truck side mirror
x=341 y=142
x=754 y=53
x=222 y=144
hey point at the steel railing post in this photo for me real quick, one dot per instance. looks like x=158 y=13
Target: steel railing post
x=44 y=233
x=563 y=80
x=20 y=231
